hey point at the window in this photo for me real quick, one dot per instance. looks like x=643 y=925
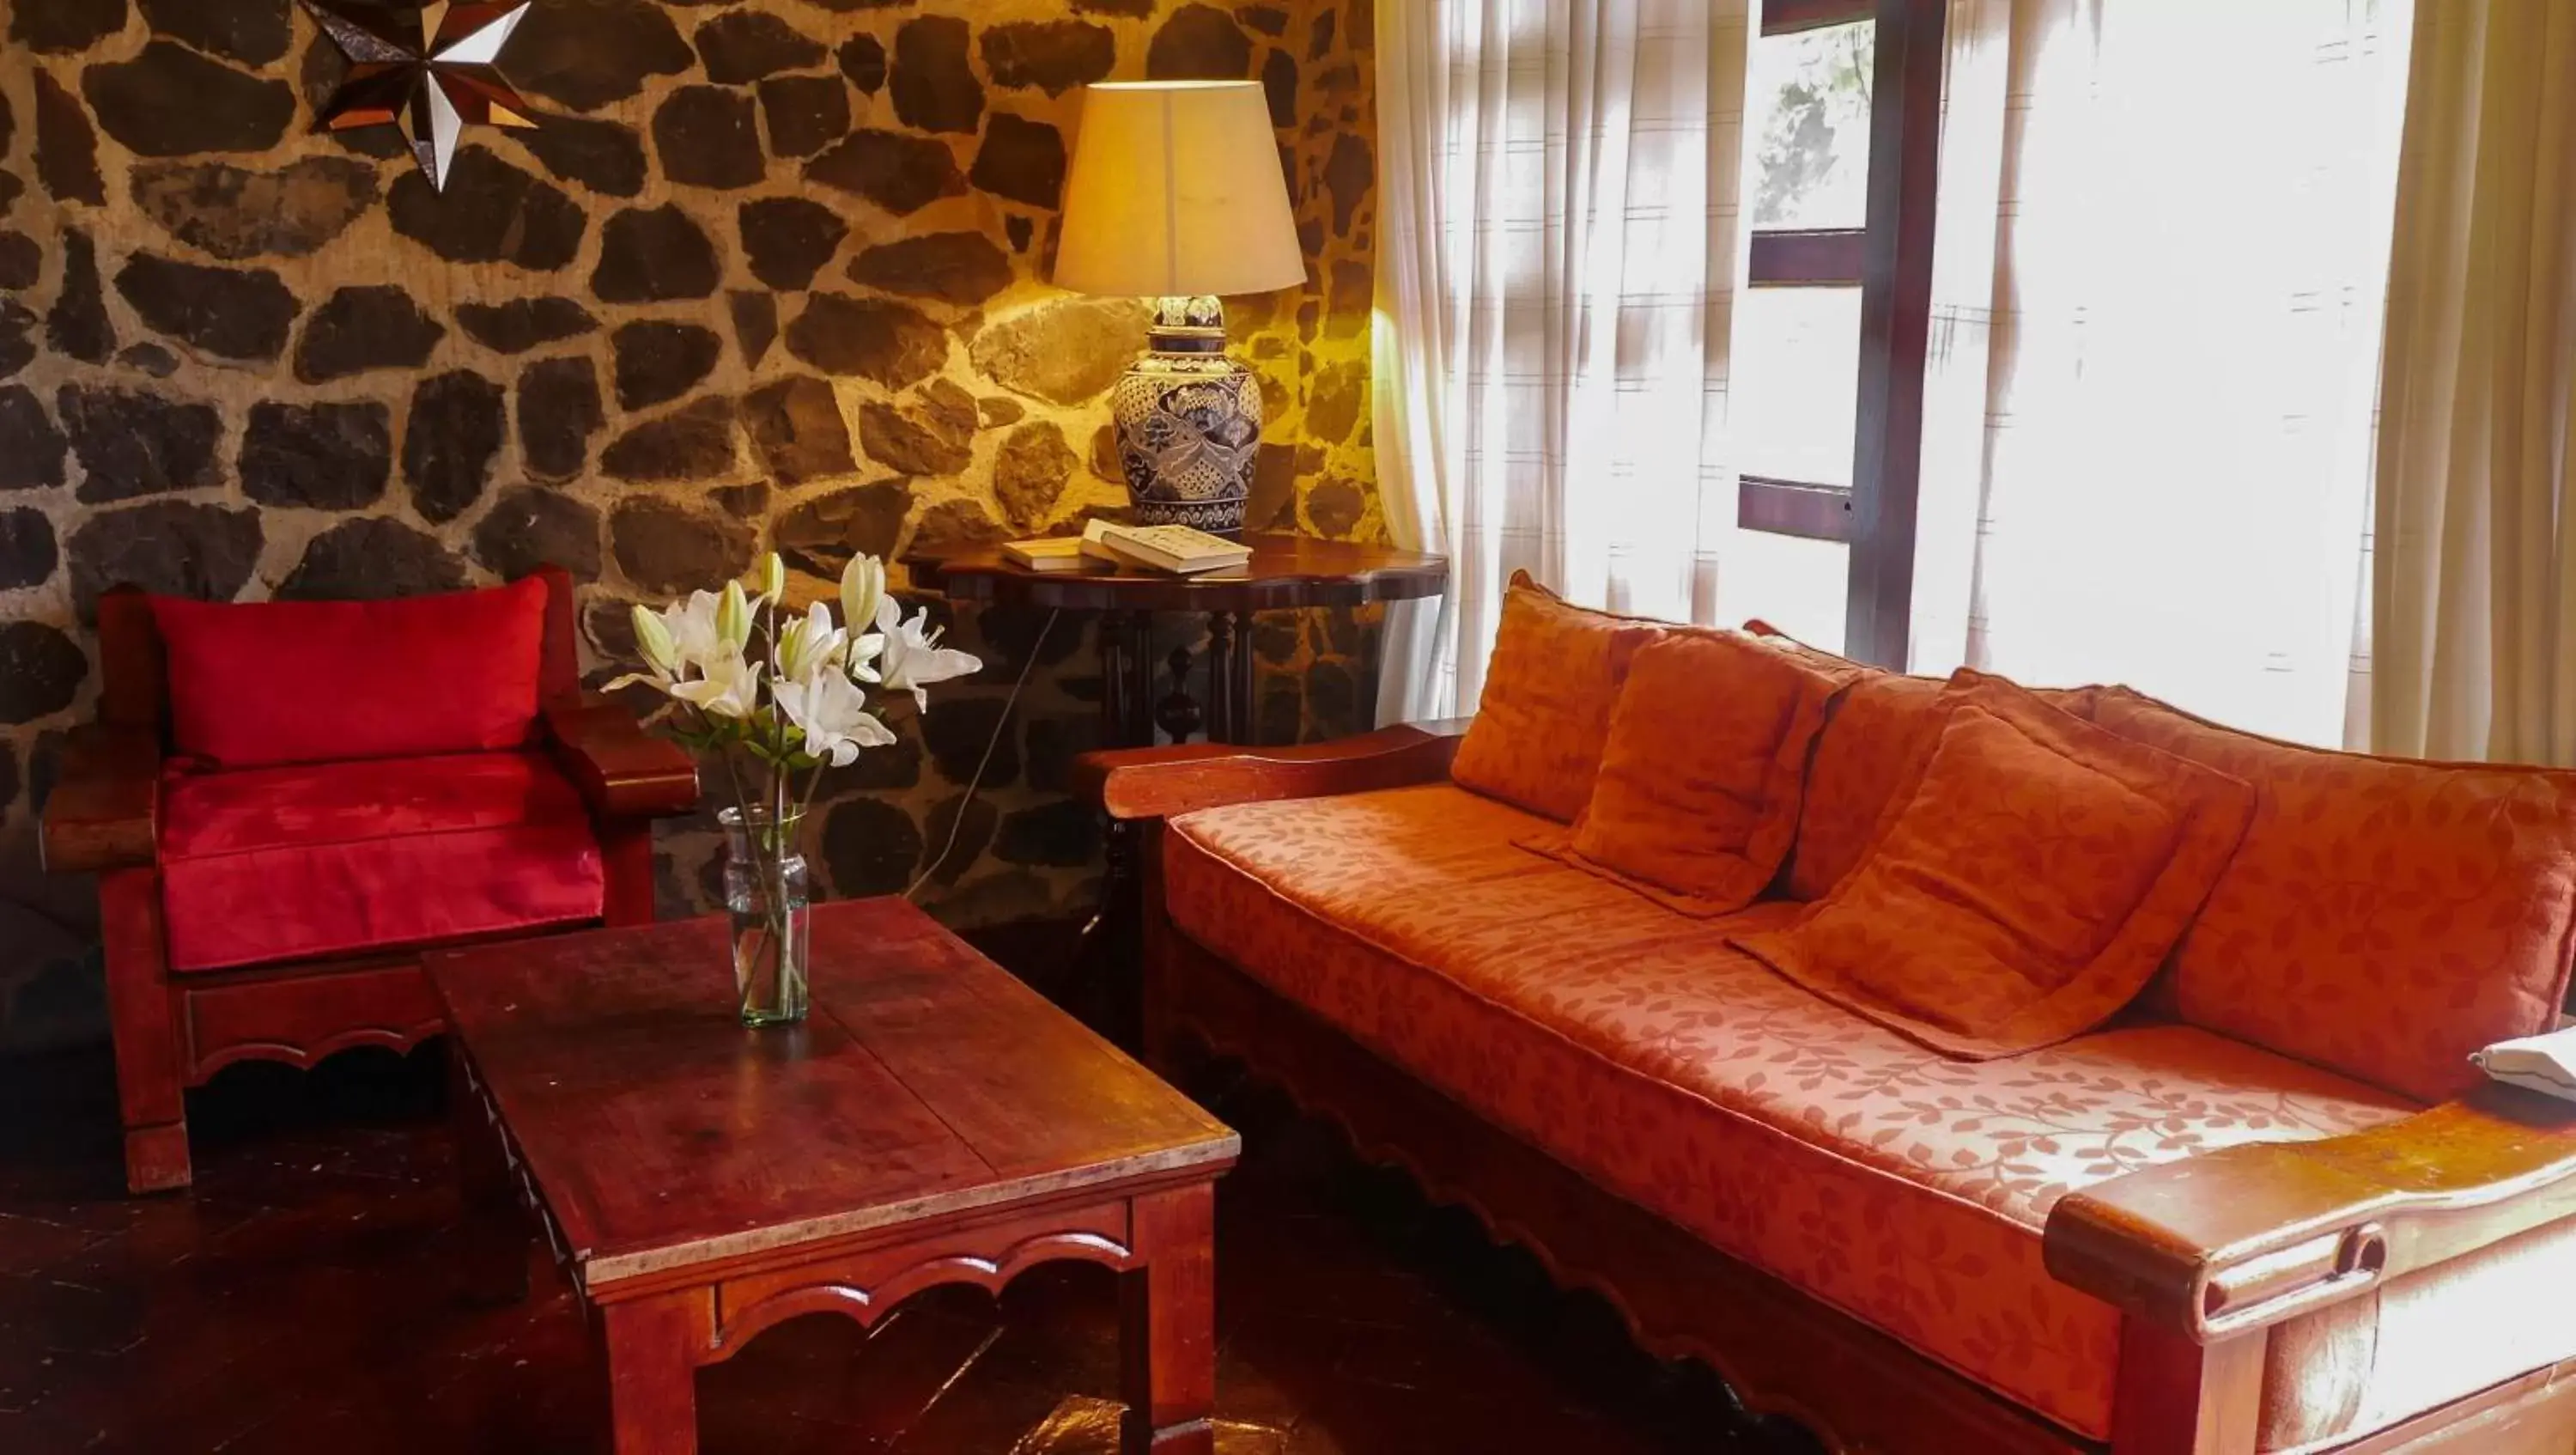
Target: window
x=1796 y=381
x=1821 y=346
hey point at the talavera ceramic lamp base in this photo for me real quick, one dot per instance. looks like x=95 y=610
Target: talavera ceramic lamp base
x=1189 y=422
x=1176 y=195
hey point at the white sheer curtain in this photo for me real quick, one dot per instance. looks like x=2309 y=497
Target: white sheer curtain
x=2162 y=255
x=1557 y=261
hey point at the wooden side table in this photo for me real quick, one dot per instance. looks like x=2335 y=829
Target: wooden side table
x=1286 y=572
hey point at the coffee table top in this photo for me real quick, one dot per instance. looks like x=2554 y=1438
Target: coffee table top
x=928 y=1081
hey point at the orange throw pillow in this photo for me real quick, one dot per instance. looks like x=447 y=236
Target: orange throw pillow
x=2023 y=888
x=2386 y=916
x=1700 y=782
x=1549 y=690
x=1875 y=739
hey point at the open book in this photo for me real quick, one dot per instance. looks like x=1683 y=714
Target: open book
x=2538 y=1063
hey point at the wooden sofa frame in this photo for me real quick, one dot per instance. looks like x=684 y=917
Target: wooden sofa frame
x=175 y=1031
x=2202 y=1257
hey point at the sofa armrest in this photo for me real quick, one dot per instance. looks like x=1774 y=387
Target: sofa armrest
x=2246 y=1237
x=104 y=812
x=623 y=771
x=1155 y=783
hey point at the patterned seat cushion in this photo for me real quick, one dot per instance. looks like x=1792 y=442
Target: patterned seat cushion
x=1633 y=1044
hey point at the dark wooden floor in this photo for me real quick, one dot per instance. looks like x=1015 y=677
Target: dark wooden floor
x=293 y=1303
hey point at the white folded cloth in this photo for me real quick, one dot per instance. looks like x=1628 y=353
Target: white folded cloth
x=2539 y=1063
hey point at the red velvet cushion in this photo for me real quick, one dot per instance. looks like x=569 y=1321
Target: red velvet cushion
x=320 y=681
x=288 y=863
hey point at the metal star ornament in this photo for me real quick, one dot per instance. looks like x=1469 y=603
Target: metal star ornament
x=431 y=69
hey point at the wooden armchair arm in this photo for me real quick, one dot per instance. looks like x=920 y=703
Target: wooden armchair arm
x=2249 y=1236
x=1154 y=783
x=104 y=812
x=623 y=771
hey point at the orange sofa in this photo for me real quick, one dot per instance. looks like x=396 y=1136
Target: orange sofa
x=2264 y=1206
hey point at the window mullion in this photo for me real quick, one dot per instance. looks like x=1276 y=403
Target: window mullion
x=1896 y=322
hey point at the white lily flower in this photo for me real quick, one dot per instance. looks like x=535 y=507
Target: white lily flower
x=773 y=576
x=862 y=587
x=733 y=619
x=810 y=644
x=833 y=714
x=668 y=653
x=729 y=688
x=654 y=642
x=862 y=657
x=913 y=661
x=691 y=626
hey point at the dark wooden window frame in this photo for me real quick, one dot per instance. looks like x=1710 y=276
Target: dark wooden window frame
x=1821 y=258
x=1788 y=17
x=1890 y=260
x=1793 y=508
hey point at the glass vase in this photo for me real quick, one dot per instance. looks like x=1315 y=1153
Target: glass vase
x=766 y=896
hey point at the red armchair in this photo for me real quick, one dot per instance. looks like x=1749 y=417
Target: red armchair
x=286 y=803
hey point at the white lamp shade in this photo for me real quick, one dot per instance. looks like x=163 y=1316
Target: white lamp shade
x=1176 y=191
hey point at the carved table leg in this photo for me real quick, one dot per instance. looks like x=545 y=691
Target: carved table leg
x=491 y=1236
x=1179 y=714
x=1138 y=731
x=1167 y=1326
x=1235 y=690
x=1106 y=955
x=1219 y=655
x=1113 y=681
x=1108 y=941
x=652 y=1379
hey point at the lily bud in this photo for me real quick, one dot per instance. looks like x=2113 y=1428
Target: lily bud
x=653 y=640
x=862 y=587
x=733 y=617
x=773 y=577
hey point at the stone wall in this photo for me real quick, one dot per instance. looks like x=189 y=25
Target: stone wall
x=768 y=275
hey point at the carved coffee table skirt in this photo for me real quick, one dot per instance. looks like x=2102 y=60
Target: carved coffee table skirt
x=935 y=1122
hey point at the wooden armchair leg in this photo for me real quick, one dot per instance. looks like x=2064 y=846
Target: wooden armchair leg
x=626 y=857
x=2176 y=1397
x=150 y=1091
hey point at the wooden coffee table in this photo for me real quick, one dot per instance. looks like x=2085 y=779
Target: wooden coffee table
x=936 y=1121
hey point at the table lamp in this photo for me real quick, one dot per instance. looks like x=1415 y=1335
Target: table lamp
x=1176 y=195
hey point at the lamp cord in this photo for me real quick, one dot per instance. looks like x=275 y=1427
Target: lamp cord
x=957 y=823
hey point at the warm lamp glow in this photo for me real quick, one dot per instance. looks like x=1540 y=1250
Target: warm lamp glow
x=1176 y=192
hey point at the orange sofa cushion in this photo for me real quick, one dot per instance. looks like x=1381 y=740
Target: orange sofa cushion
x=2384 y=916
x=2024 y=888
x=1697 y=799
x=1875 y=739
x=1549 y=690
x=1897 y=1185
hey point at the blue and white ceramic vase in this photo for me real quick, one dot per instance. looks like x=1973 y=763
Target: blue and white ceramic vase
x=1189 y=422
